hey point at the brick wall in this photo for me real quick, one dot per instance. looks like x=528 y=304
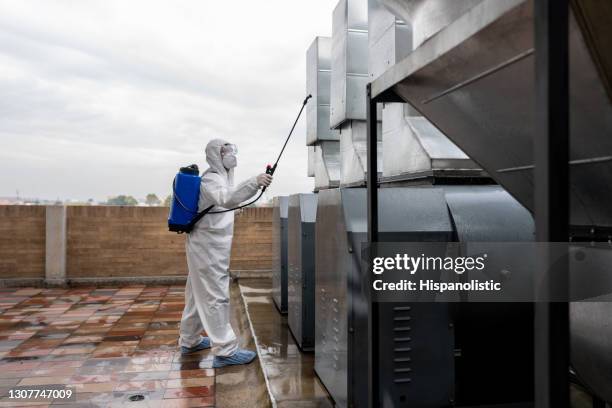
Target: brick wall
x=252 y=246
x=110 y=242
x=22 y=241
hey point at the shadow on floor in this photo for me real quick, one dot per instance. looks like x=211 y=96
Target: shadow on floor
x=289 y=372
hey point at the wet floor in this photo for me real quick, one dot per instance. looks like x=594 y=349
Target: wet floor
x=290 y=373
x=111 y=344
x=241 y=386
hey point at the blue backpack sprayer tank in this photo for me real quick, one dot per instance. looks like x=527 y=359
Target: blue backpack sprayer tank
x=184 y=213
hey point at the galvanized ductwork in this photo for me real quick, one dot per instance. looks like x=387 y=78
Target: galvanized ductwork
x=429 y=355
x=310 y=169
x=412 y=146
x=327 y=165
x=323 y=142
x=474 y=79
x=427 y=17
x=318 y=79
x=349 y=61
x=353 y=164
x=389 y=39
x=349 y=77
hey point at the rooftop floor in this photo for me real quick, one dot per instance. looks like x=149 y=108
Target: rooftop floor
x=289 y=372
x=112 y=343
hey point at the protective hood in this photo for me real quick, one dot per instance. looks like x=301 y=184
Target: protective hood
x=213 y=158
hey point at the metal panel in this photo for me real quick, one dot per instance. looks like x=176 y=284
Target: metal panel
x=279 y=252
x=482 y=66
x=327 y=165
x=414 y=341
x=308 y=208
x=379 y=21
x=353 y=139
x=412 y=145
x=488 y=213
x=427 y=17
x=389 y=39
x=310 y=170
x=591 y=342
x=415 y=214
x=318 y=74
x=300 y=256
x=341 y=351
x=349 y=61
x=331 y=264
x=485 y=375
x=294 y=269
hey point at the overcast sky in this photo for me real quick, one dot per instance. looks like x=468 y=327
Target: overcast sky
x=108 y=97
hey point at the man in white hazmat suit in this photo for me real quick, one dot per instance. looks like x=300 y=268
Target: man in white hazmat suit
x=208 y=246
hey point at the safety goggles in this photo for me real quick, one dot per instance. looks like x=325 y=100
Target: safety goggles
x=229 y=149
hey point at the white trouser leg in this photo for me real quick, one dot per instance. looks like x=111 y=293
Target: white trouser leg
x=191 y=324
x=208 y=254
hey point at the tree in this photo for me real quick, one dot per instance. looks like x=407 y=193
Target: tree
x=152 y=199
x=168 y=201
x=122 y=200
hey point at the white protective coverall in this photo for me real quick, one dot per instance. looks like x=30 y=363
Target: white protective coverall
x=208 y=246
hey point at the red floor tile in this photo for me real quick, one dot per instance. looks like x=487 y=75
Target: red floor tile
x=189 y=392
x=109 y=343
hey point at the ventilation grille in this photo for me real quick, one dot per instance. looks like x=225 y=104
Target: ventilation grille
x=402 y=344
x=336 y=332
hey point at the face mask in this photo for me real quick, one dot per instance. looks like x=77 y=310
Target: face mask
x=229 y=161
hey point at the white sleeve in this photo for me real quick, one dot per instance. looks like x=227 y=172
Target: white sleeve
x=228 y=197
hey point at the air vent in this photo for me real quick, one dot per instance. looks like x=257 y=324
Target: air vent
x=402 y=358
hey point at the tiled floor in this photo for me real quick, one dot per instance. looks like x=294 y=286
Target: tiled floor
x=108 y=343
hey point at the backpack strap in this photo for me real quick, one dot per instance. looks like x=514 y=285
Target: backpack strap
x=198 y=217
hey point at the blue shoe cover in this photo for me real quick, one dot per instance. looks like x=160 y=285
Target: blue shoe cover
x=239 y=357
x=204 y=344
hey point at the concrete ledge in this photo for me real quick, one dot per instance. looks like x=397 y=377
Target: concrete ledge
x=126 y=280
x=55 y=283
x=110 y=281
x=258 y=346
x=22 y=282
x=248 y=274
x=241 y=386
x=289 y=373
x=120 y=280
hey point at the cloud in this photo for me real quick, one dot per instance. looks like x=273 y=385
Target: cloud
x=99 y=98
